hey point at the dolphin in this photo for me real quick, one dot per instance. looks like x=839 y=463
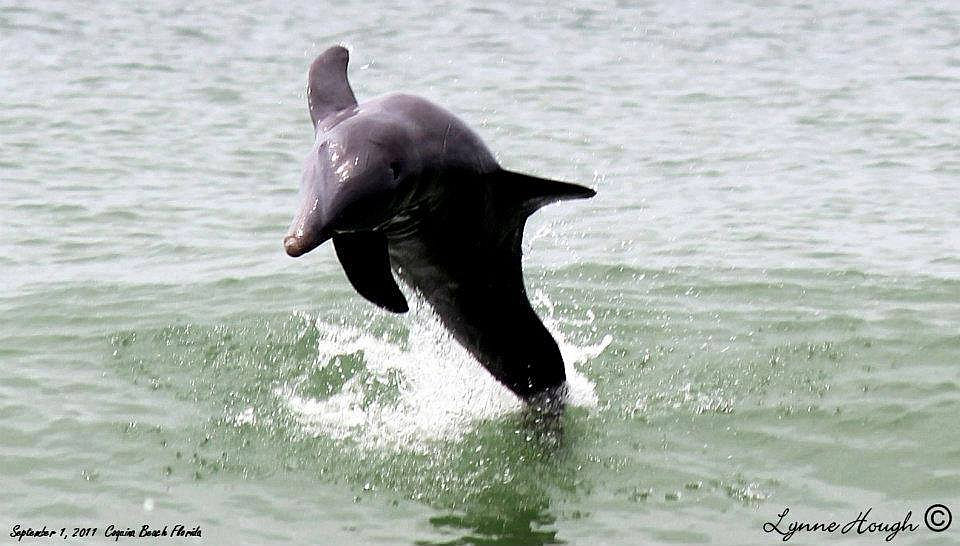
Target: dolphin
x=404 y=187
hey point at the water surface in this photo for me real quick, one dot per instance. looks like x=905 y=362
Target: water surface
x=759 y=309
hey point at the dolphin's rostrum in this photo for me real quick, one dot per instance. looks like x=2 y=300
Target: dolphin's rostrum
x=401 y=185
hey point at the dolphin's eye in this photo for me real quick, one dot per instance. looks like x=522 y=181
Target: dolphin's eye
x=395 y=169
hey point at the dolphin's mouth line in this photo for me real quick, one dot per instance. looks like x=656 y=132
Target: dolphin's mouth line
x=404 y=222
x=401 y=226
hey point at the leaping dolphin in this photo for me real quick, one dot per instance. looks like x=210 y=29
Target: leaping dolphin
x=401 y=184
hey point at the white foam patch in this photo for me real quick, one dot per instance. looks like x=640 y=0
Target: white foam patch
x=580 y=390
x=443 y=390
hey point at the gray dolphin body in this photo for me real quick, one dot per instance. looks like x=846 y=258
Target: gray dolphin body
x=401 y=185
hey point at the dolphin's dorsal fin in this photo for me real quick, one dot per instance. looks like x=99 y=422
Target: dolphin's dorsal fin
x=365 y=260
x=328 y=90
x=534 y=192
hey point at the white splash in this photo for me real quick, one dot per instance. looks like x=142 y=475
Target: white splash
x=443 y=390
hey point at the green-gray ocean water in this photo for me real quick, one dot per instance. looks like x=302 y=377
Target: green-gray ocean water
x=760 y=309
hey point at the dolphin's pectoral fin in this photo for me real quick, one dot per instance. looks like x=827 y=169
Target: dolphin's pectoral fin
x=328 y=90
x=365 y=261
x=534 y=192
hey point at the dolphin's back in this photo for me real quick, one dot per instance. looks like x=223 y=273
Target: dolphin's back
x=434 y=136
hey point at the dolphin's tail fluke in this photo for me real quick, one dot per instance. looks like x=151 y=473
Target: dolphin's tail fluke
x=534 y=192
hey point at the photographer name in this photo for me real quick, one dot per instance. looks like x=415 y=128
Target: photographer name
x=937 y=518
x=115 y=532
